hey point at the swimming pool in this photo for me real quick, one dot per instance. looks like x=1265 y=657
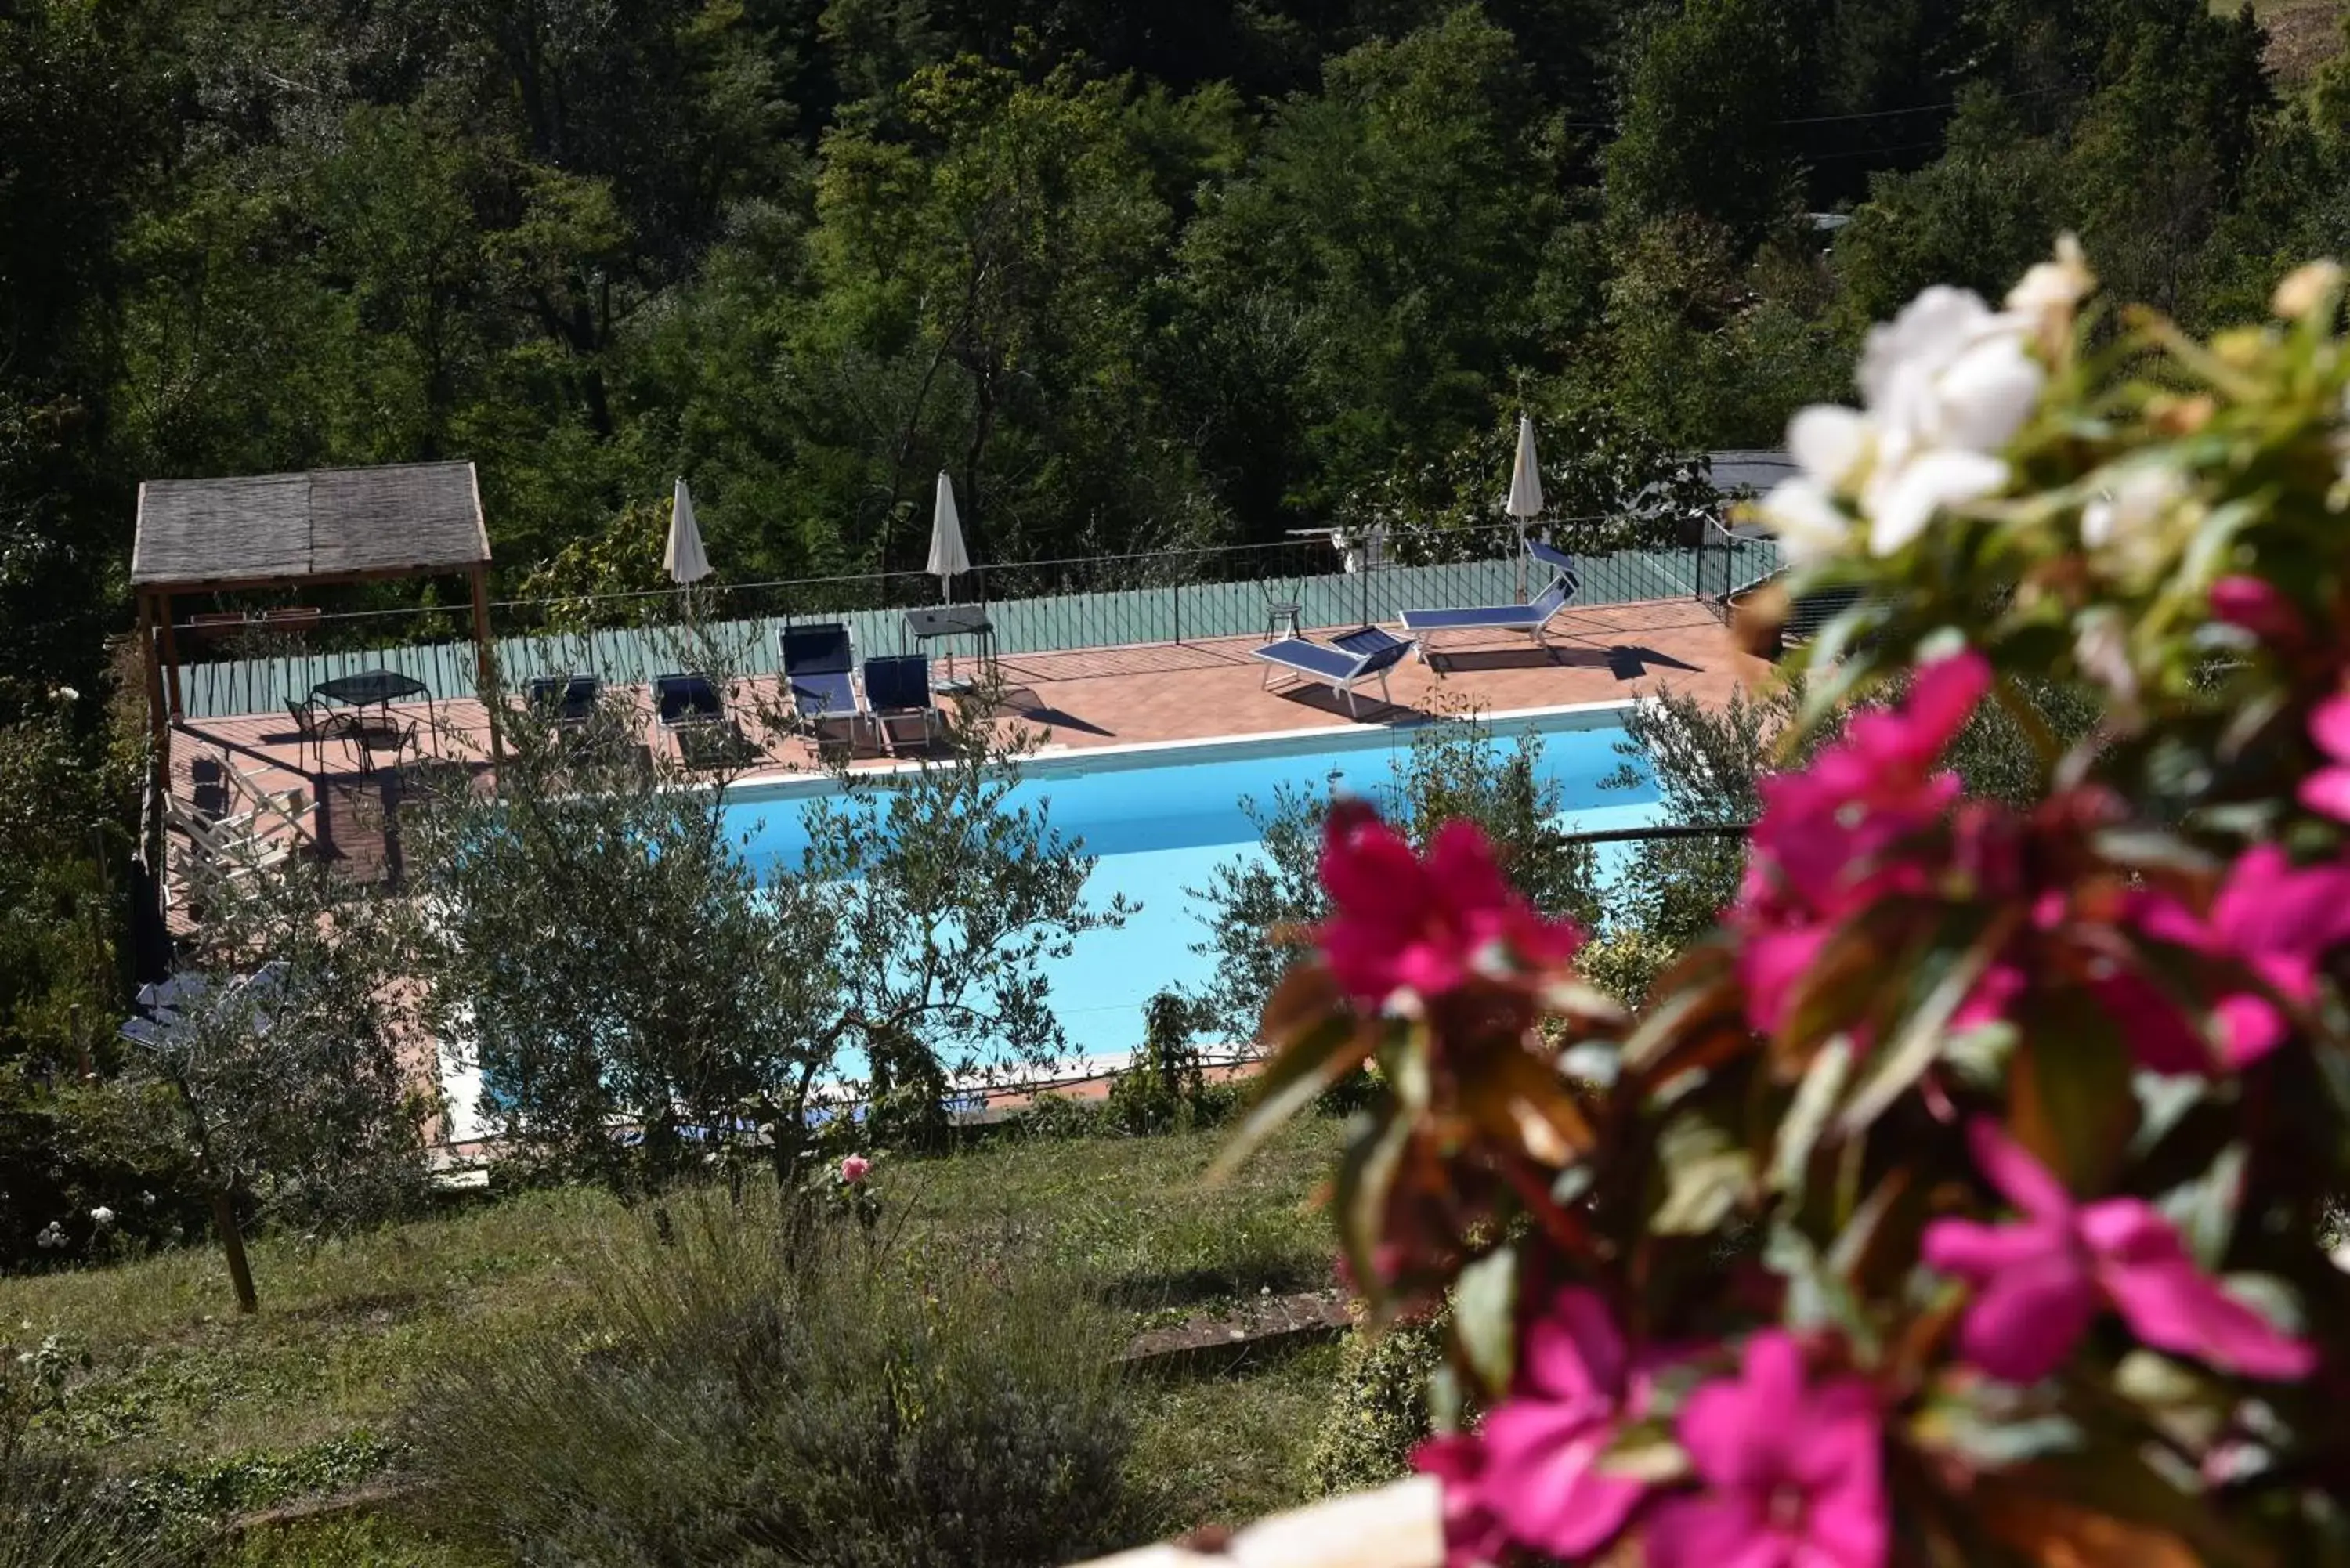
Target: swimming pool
x=1160 y=818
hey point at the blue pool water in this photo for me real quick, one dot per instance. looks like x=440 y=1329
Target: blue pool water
x=1162 y=818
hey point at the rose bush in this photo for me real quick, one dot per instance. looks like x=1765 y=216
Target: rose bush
x=1959 y=1199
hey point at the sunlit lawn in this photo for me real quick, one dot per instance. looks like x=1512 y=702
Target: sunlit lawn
x=351 y=1330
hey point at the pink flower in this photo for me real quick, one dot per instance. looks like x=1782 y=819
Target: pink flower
x=2041 y=1282
x=2327 y=791
x=2256 y=606
x=2277 y=920
x=1540 y=1471
x=1820 y=851
x=853 y=1168
x=1793 y=1471
x=1473 y=1535
x=1401 y=923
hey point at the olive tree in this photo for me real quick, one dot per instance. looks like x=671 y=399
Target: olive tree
x=291 y=1043
x=641 y=994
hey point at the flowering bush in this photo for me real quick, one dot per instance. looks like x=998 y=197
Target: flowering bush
x=1957 y=1199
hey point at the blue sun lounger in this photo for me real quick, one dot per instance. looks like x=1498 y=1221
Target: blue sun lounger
x=1566 y=581
x=819 y=676
x=1343 y=664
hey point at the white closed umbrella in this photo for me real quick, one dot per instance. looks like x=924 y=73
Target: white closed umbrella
x=949 y=559
x=683 y=558
x=1525 y=494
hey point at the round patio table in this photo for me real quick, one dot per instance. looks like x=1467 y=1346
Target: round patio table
x=371 y=688
x=378 y=689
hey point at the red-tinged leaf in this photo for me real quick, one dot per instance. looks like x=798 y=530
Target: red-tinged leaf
x=1318 y=1041
x=2107 y=1508
x=2053 y=1534
x=1858 y=1251
x=1689 y=991
x=2069 y=1102
x=1520 y=1100
x=1307 y=997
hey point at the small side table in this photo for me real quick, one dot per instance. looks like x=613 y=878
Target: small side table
x=950 y=621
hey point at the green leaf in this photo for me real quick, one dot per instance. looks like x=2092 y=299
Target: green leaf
x=1645 y=1451
x=1365 y=1176
x=1816 y=1297
x=2204 y=1209
x=1901 y=1063
x=1807 y=1117
x=1706 y=1174
x=1484 y=1316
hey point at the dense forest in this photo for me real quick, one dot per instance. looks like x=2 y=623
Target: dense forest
x=1136 y=275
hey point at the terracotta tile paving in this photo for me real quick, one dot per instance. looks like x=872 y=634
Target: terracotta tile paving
x=1102 y=697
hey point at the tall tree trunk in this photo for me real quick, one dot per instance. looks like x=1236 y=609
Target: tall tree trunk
x=231 y=1241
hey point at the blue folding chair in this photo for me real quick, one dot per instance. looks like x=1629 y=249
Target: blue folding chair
x=1342 y=665
x=1566 y=581
x=820 y=679
x=898 y=692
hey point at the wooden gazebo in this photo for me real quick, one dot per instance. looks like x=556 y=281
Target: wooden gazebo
x=296 y=530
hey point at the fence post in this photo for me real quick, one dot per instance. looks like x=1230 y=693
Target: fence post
x=1178 y=609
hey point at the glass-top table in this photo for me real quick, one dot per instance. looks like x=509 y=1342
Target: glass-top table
x=371 y=688
x=953 y=620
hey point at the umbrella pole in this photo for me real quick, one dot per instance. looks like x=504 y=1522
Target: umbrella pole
x=1522 y=560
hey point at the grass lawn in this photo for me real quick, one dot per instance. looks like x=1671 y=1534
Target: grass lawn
x=351 y=1330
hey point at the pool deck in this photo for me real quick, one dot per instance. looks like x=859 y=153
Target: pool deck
x=1101 y=696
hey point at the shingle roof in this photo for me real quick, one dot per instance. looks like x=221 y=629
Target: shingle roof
x=332 y=523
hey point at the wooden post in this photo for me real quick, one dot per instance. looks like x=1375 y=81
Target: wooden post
x=170 y=653
x=231 y=1241
x=484 y=666
x=481 y=575
x=158 y=717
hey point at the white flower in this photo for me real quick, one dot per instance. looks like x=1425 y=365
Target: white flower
x=2309 y=287
x=1903 y=500
x=1948 y=371
x=1830 y=444
x=2055 y=287
x=2128 y=510
x=50 y=1236
x=1807 y=520
x=103 y=1216
x=1946 y=384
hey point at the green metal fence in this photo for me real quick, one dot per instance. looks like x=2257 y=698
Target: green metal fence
x=1184 y=596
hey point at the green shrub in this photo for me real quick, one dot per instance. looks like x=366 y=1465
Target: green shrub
x=57 y=1513
x=1625 y=962
x=1380 y=1411
x=758 y=1390
x=56 y=1509
x=1049 y=1115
